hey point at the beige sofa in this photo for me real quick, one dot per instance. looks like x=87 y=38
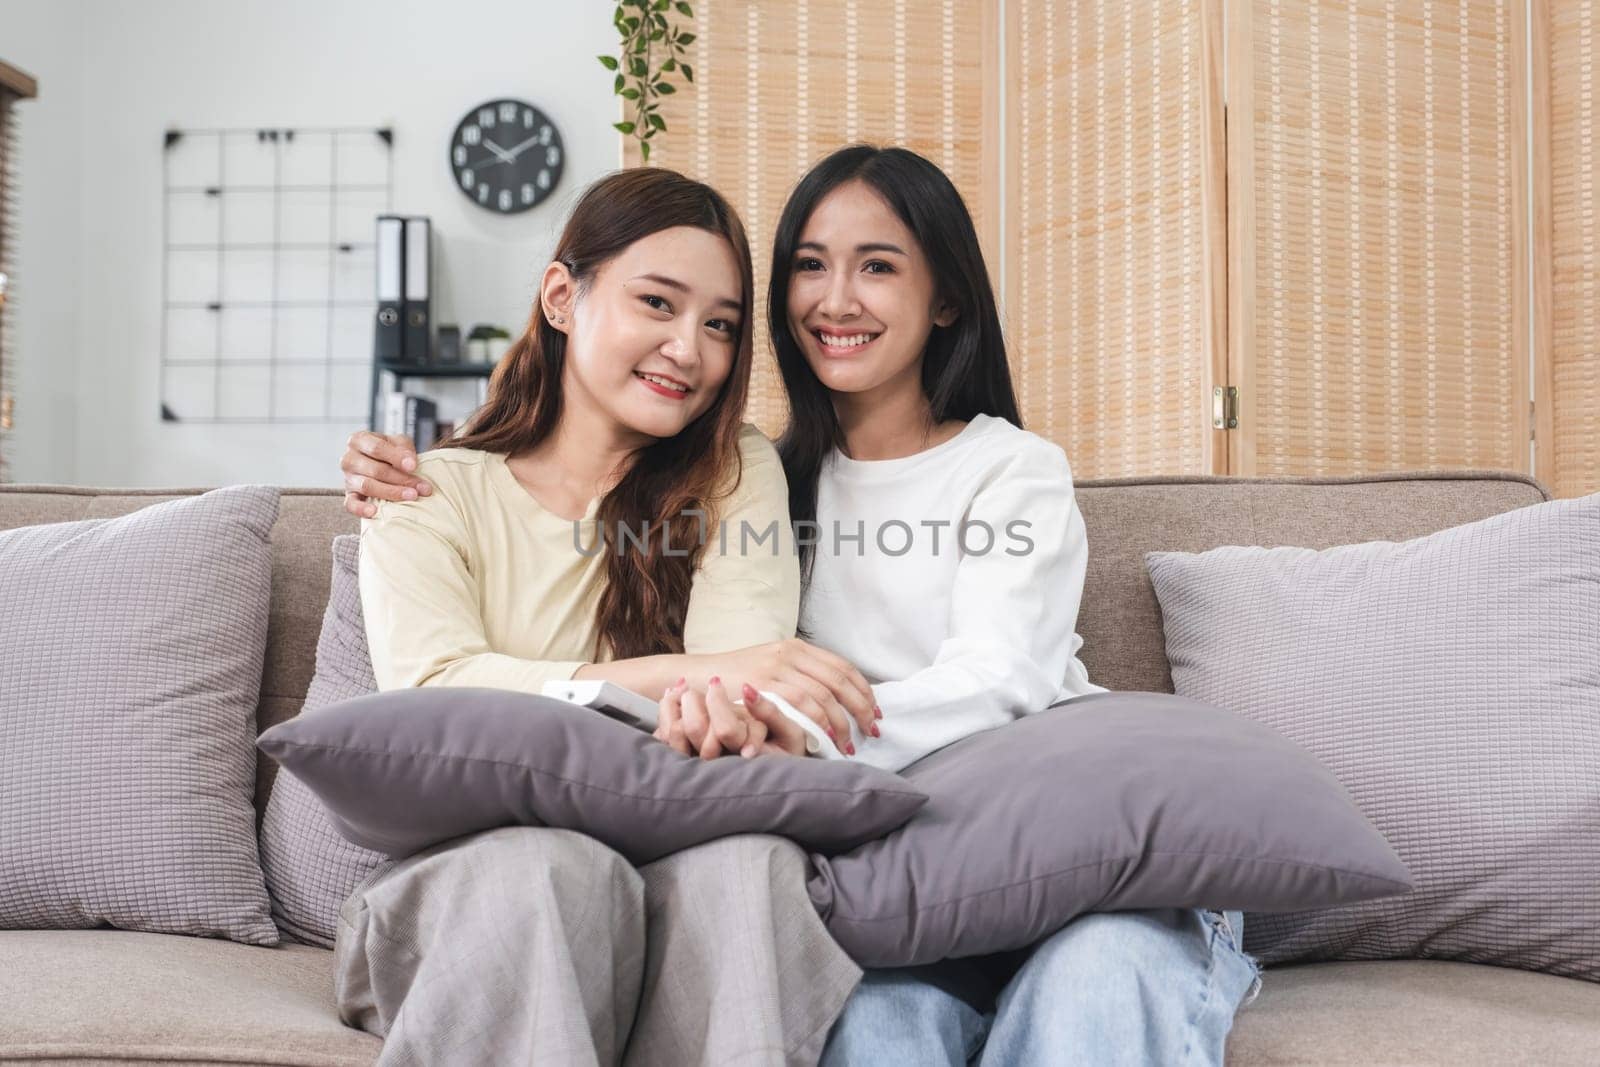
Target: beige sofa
x=107 y=996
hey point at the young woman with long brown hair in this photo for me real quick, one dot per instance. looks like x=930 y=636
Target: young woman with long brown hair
x=619 y=409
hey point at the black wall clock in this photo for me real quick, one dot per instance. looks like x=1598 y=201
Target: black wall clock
x=506 y=156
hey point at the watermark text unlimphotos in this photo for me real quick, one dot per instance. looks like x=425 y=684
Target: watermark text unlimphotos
x=893 y=537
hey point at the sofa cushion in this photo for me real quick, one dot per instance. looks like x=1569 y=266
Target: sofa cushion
x=130 y=666
x=126 y=997
x=1416 y=1012
x=405 y=770
x=1108 y=802
x=307 y=520
x=1120 y=622
x=1452 y=683
x=310 y=868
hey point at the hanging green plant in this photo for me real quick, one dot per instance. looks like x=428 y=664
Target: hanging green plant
x=653 y=47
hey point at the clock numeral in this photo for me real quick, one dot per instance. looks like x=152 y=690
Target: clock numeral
x=527 y=118
x=471 y=135
x=460 y=154
x=544 y=135
x=483 y=194
x=486 y=118
x=544 y=179
x=552 y=156
x=505 y=200
x=467 y=179
x=527 y=192
x=508 y=112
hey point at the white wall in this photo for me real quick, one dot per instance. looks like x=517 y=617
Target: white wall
x=44 y=39
x=138 y=68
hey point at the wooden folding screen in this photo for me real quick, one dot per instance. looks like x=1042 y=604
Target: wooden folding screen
x=1329 y=271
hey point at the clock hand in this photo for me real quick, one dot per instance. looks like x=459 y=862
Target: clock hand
x=505 y=156
x=518 y=149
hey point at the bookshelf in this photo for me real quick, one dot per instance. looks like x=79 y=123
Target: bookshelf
x=400 y=372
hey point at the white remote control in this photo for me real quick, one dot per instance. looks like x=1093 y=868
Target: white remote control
x=608 y=698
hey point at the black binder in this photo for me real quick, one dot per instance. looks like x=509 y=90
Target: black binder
x=418 y=291
x=387 y=335
x=421 y=422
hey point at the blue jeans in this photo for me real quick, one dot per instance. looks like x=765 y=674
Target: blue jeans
x=1134 y=987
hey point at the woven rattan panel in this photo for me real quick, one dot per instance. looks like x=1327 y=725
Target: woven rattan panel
x=1375 y=268
x=1110 y=229
x=1575 y=272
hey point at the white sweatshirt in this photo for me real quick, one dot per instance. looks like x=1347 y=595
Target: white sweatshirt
x=959 y=628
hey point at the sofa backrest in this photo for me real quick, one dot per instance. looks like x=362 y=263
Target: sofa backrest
x=1120 y=621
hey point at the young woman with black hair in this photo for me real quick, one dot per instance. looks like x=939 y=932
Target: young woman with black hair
x=944 y=555
x=902 y=411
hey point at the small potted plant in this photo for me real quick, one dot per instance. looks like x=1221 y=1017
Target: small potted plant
x=486 y=344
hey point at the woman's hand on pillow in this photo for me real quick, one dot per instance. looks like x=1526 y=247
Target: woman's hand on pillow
x=376 y=466
x=705 y=722
x=823 y=686
x=710 y=724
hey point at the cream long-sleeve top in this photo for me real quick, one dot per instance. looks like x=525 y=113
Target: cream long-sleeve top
x=477 y=584
x=959 y=629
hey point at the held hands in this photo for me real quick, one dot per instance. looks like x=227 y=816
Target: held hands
x=823 y=686
x=710 y=724
x=376 y=467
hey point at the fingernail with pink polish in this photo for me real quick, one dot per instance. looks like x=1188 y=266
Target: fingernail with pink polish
x=750 y=693
x=877 y=711
x=715 y=680
x=875 y=730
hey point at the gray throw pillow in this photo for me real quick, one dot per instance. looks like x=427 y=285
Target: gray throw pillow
x=310 y=868
x=1452 y=683
x=1108 y=802
x=407 y=769
x=131 y=653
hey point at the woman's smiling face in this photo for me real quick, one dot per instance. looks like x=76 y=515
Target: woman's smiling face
x=862 y=298
x=656 y=333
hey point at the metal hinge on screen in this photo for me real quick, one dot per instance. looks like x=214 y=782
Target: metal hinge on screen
x=1225 y=407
